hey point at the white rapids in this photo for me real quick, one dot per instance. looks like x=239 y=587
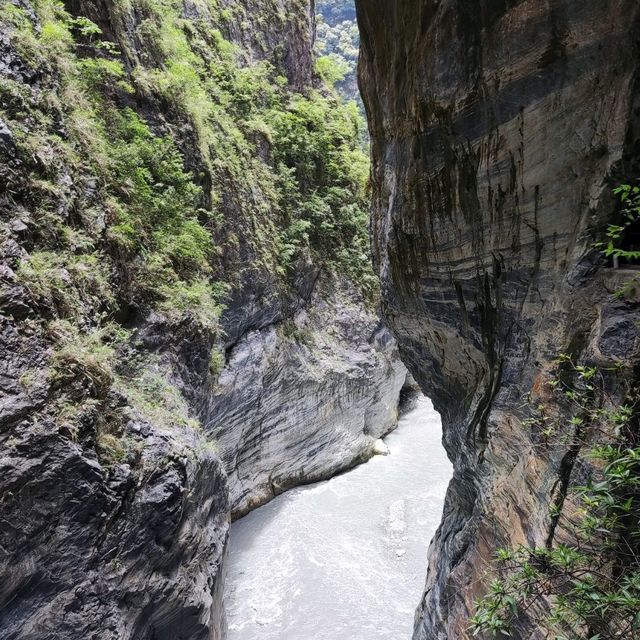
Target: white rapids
x=344 y=559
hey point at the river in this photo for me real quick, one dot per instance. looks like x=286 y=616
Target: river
x=343 y=559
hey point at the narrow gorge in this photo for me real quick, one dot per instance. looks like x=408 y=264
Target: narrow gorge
x=188 y=311
x=210 y=294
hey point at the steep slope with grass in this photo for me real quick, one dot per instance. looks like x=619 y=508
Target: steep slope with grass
x=338 y=45
x=187 y=314
x=498 y=131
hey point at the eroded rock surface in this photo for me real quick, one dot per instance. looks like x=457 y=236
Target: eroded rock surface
x=101 y=542
x=303 y=400
x=498 y=129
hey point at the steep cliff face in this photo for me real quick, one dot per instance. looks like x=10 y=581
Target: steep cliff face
x=174 y=218
x=498 y=129
x=304 y=400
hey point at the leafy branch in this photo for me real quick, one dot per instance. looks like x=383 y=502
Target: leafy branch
x=591 y=584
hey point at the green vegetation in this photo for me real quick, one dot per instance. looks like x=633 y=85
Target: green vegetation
x=63 y=283
x=591 y=579
x=337 y=45
x=88 y=357
x=159 y=168
x=332 y=69
x=146 y=383
x=629 y=196
x=336 y=11
x=323 y=172
x=623 y=239
x=305 y=196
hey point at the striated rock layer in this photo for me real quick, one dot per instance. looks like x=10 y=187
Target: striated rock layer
x=498 y=129
x=305 y=399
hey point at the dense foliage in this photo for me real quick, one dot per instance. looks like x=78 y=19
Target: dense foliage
x=336 y=11
x=155 y=164
x=337 y=45
x=307 y=196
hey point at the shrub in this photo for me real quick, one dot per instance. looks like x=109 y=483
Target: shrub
x=88 y=357
x=592 y=582
x=629 y=196
x=66 y=285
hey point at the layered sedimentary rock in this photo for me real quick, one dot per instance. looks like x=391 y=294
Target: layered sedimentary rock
x=120 y=417
x=303 y=400
x=498 y=129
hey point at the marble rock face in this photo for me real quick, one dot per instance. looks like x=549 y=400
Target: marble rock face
x=498 y=129
x=114 y=514
x=301 y=401
x=95 y=549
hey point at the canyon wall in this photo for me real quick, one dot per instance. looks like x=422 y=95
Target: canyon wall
x=301 y=401
x=187 y=320
x=498 y=130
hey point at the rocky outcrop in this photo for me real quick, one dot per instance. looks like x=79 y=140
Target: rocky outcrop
x=101 y=536
x=302 y=400
x=498 y=129
x=132 y=383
